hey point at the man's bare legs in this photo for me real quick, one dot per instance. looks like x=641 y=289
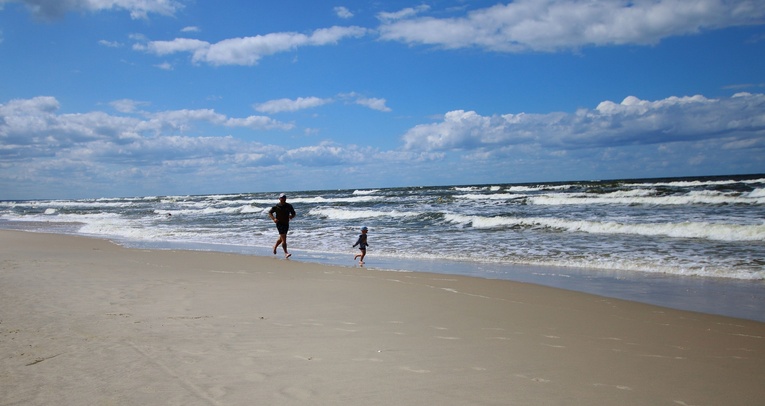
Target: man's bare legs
x=283 y=242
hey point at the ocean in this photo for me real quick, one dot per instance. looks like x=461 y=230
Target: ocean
x=693 y=243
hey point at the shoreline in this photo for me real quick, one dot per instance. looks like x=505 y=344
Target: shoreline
x=86 y=321
x=720 y=296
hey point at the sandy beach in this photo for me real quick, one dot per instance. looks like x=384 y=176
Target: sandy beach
x=87 y=322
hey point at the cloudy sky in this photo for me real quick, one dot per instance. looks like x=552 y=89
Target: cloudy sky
x=111 y=98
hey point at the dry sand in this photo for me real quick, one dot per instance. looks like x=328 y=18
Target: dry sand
x=86 y=322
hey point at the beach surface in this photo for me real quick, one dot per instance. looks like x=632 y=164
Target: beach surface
x=87 y=322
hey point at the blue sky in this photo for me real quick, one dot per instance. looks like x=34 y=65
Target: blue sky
x=110 y=98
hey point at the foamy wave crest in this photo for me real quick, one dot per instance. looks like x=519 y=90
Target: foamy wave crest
x=365 y=192
x=124 y=229
x=709 y=231
x=484 y=222
x=252 y=209
x=322 y=200
x=345 y=214
x=470 y=188
x=495 y=196
x=523 y=189
x=643 y=197
x=702 y=183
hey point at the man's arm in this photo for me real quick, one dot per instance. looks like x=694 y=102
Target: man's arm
x=271 y=214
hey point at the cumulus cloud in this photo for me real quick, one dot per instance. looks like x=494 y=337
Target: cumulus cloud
x=33 y=127
x=162 y=48
x=302 y=103
x=343 y=12
x=38 y=144
x=110 y=44
x=324 y=154
x=551 y=25
x=138 y=9
x=373 y=103
x=248 y=51
x=632 y=122
x=288 y=105
x=164 y=66
x=127 y=105
x=403 y=13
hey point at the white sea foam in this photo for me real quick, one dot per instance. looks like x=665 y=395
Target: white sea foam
x=493 y=196
x=321 y=200
x=344 y=214
x=628 y=198
x=709 y=231
x=469 y=188
x=537 y=188
x=701 y=183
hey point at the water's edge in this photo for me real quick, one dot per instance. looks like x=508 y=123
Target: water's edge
x=722 y=296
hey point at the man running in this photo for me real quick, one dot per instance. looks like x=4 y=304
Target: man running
x=281 y=214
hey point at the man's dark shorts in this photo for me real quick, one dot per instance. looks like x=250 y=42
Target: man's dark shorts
x=283 y=228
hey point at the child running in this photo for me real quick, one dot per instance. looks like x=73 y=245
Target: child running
x=362 y=243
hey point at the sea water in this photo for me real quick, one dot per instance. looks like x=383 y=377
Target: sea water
x=618 y=237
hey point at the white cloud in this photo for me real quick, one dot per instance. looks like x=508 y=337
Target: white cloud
x=550 y=25
x=139 y=9
x=258 y=123
x=401 y=14
x=302 y=103
x=248 y=51
x=110 y=44
x=370 y=102
x=632 y=122
x=190 y=29
x=162 y=48
x=325 y=154
x=66 y=154
x=164 y=66
x=33 y=127
x=127 y=105
x=289 y=105
x=373 y=103
x=343 y=12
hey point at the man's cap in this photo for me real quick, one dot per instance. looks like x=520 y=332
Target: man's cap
x=282 y=196
x=364 y=228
